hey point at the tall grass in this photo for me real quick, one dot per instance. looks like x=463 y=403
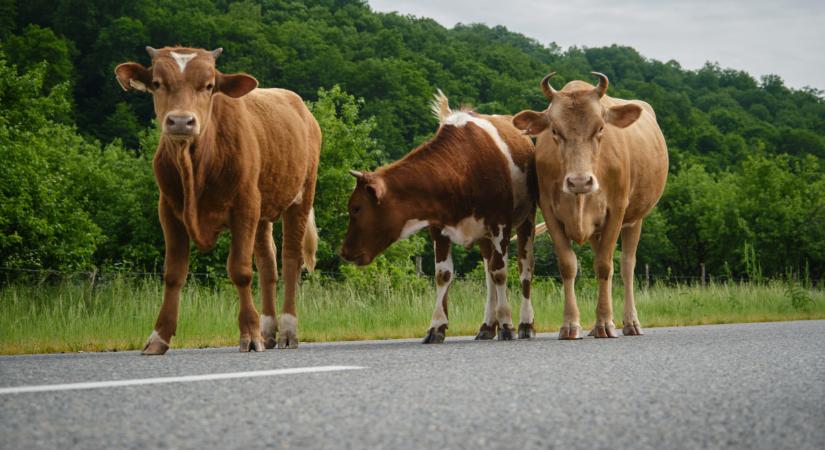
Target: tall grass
x=119 y=314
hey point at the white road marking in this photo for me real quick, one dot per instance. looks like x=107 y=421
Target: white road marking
x=180 y=379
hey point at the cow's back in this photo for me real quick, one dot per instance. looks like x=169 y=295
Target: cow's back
x=288 y=142
x=643 y=147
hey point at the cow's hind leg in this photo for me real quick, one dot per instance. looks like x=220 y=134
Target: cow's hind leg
x=444 y=275
x=526 y=233
x=176 y=267
x=630 y=241
x=295 y=225
x=489 y=327
x=267 y=264
x=243 y=226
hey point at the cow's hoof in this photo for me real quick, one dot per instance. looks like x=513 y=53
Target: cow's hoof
x=604 y=330
x=633 y=329
x=570 y=332
x=486 y=332
x=155 y=345
x=505 y=333
x=269 y=330
x=526 y=331
x=435 y=335
x=251 y=345
x=288 y=331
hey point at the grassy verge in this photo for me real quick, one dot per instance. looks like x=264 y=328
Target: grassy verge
x=119 y=314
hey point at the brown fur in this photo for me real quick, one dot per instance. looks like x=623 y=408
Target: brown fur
x=253 y=160
x=629 y=160
x=459 y=174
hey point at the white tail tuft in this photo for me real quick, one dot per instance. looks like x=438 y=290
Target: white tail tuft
x=440 y=107
x=310 y=244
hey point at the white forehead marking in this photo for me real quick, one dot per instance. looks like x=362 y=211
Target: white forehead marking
x=182 y=59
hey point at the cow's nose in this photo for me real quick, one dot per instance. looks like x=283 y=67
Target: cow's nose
x=180 y=124
x=580 y=184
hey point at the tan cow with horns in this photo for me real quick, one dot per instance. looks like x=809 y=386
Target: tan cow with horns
x=601 y=164
x=235 y=157
x=473 y=182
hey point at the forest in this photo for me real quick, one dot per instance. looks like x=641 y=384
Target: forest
x=745 y=196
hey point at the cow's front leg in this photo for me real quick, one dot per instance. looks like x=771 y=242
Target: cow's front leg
x=444 y=275
x=568 y=266
x=603 y=246
x=498 y=270
x=176 y=267
x=243 y=226
x=489 y=327
x=526 y=233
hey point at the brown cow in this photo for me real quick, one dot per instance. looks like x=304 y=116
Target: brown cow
x=601 y=164
x=473 y=182
x=230 y=157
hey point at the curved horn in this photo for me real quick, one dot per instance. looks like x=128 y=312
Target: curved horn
x=356 y=174
x=151 y=51
x=602 y=87
x=217 y=52
x=548 y=90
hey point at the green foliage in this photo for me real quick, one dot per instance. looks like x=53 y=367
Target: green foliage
x=746 y=185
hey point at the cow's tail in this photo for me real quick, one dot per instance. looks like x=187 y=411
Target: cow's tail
x=440 y=106
x=310 y=244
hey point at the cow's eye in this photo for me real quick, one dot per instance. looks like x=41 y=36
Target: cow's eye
x=209 y=87
x=156 y=84
x=356 y=210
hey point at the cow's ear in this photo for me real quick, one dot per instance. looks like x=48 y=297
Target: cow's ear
x=376 y=187
x=133 y=76
x=236 y=85
x=623 y=116
x=531 y=122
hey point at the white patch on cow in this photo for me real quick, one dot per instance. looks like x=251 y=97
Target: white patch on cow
x=490 y=308
x=411 y=226
x=182 y=59
x=466 y=231
x=155 y=337
x=288 y=325
x=497 y=238
x=628 y=225
x=268 y=327
x=439 y=315
x=298 y=198
x=517 y=176
x=526 y=314
x=137 y=84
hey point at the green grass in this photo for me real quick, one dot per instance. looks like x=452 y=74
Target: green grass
x=119 y=314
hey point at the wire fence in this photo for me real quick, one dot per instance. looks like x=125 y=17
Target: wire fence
x=11 y=274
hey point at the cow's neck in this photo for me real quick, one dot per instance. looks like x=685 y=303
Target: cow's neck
x=430 y=197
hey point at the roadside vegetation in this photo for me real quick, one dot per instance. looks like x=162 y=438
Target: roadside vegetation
x=118 y=314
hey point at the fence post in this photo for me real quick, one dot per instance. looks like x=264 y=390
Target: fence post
x=418 y=270
x=703 y=274
x=647 y=276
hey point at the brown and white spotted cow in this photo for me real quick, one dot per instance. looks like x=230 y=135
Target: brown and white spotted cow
x=473 y=182
x=230 y=157
x=601 y=164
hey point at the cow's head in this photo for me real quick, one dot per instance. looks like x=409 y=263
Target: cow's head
x=183 y=82
x=374 y=221
x=576 y=120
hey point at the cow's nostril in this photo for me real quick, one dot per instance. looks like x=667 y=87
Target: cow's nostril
x=191 y=122
x=589 y=182
x=170 y=121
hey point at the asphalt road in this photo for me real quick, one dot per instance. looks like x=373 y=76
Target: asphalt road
x=724 y=386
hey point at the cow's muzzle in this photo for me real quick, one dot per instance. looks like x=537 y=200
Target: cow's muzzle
x=180 y=125
x=584 y=183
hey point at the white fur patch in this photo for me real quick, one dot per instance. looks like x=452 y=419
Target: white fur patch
x=466 y=231
x=526 y=315
x=137 y=85
x=267 y=325
x=497 y=238
x=155 y=337
x=490 y=308
x=503 y=311
x=182 y=59
x=439 y=316
x=288 y=324
x=412 y=226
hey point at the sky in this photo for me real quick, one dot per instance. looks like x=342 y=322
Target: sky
x=783 y=37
